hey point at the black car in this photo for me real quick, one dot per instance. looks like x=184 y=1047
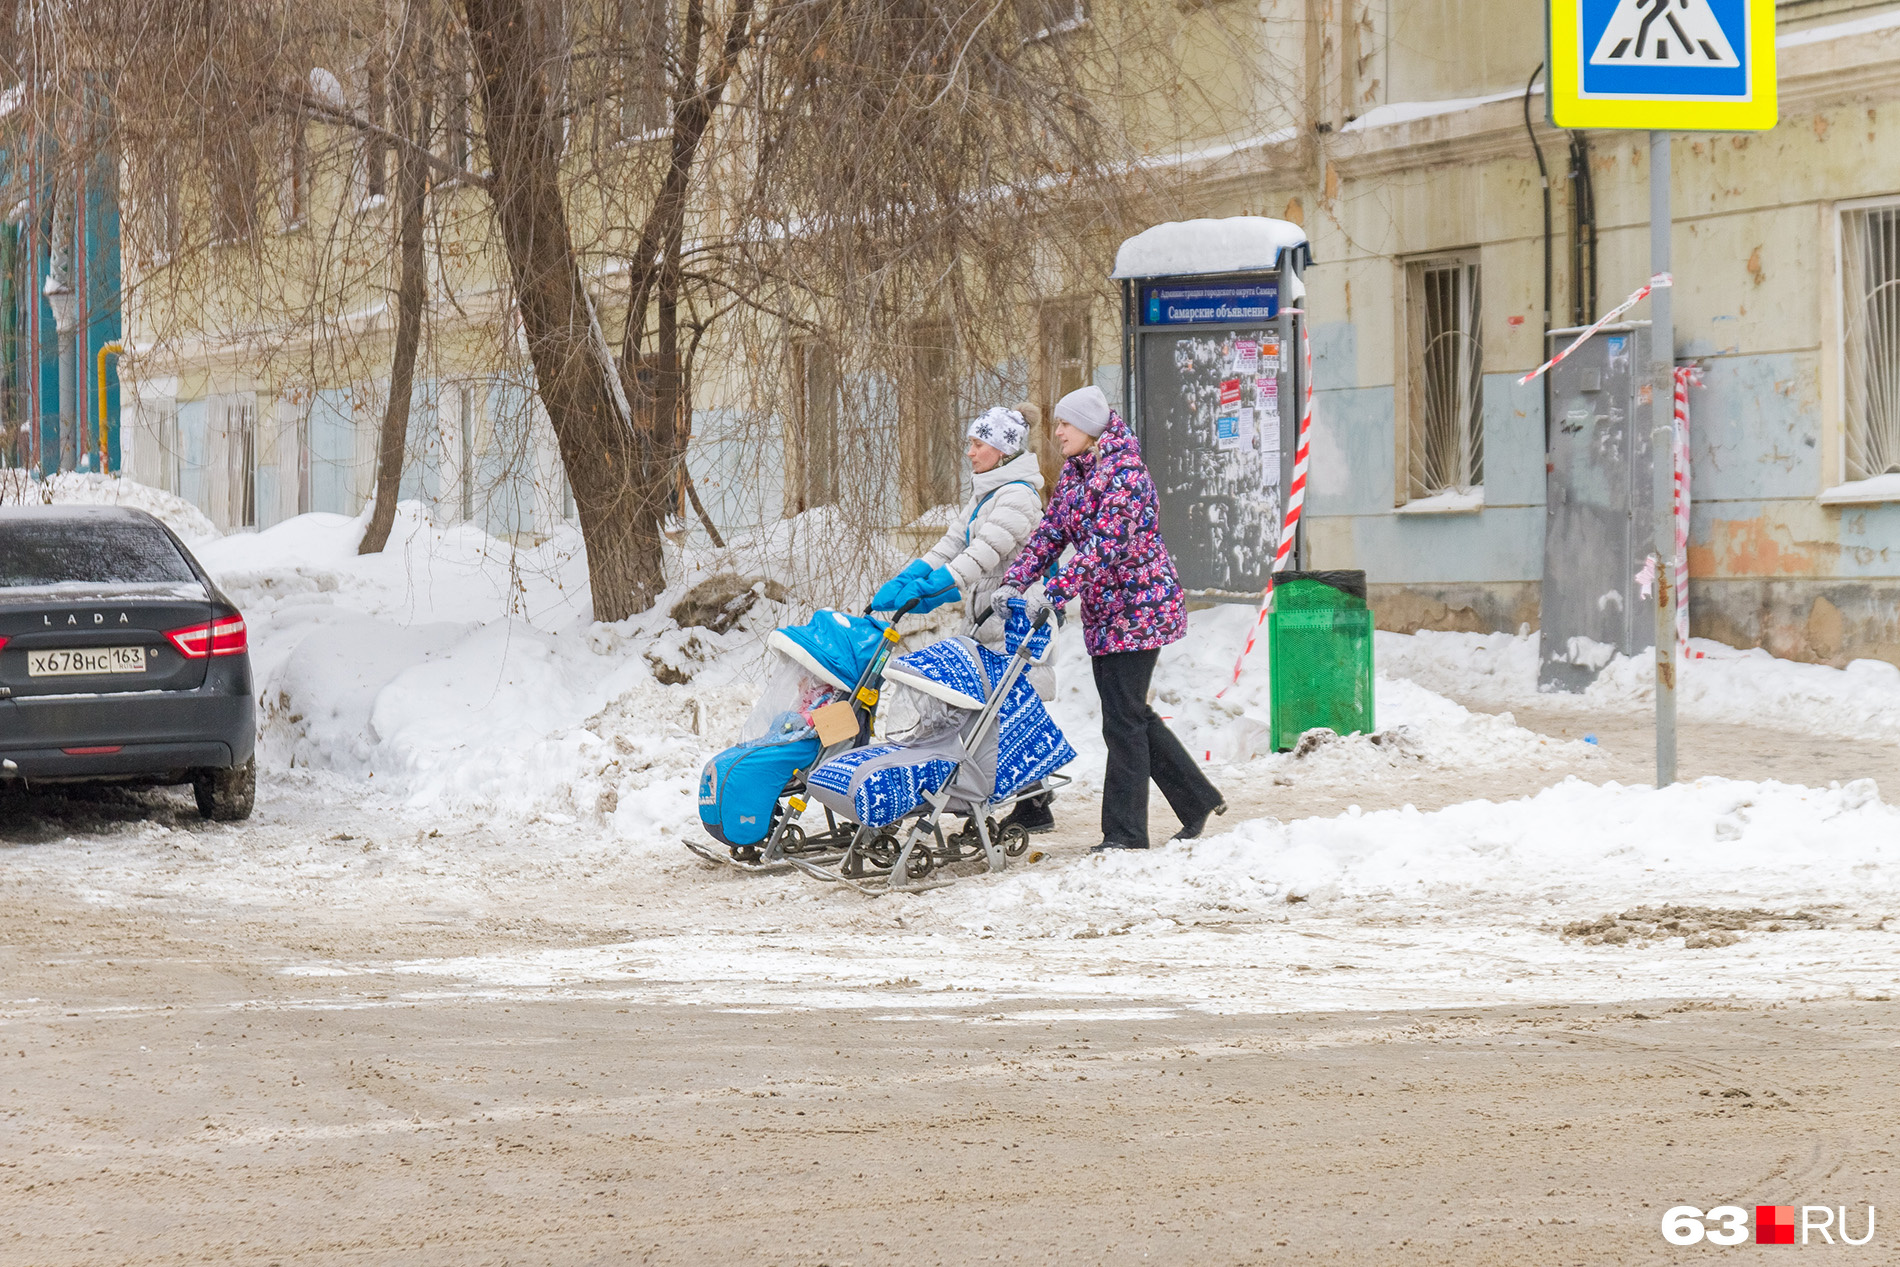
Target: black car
x=119 y=659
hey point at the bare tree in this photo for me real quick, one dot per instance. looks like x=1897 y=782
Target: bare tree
x=413 y=96
x=730 y=181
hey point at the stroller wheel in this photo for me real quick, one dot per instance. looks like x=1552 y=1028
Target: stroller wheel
x=791 y=840
x=1014 y=839
x=882 y=850
x=921 y=863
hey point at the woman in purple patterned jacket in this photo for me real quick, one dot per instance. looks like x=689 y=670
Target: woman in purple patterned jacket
x=1104 y=505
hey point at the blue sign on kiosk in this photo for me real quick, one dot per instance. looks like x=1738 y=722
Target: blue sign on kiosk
x=1178 y=305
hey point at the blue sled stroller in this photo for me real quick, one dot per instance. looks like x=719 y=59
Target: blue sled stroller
x=975 y=740
x=820 y=700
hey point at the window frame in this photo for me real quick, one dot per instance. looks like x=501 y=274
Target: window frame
x=1845 y=211
x=1049 y=388
x=928 y=415
x=236 y=172
x=240 y=439
x=1416 y=375
x=645 y=41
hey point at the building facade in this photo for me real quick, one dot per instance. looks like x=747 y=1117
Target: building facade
x=1407 y=139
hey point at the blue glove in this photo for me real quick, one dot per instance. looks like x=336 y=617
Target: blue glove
x=927 y=590
x=896 y=591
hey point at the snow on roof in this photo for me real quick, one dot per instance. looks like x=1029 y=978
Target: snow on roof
x=1187 y=248
x=1407 y=111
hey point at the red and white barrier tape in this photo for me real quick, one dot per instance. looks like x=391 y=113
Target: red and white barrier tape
x=1660 y=279
x=1296 y=500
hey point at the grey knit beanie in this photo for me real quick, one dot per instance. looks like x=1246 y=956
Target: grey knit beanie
x=1085 y=409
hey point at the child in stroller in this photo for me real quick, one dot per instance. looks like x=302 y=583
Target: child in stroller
x=980 y=742
x=820 y=700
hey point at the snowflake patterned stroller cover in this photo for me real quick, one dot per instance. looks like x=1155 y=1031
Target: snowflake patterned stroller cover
x=880 y=784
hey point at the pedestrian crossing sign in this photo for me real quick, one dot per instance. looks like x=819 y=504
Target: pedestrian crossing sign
x=1666 y=65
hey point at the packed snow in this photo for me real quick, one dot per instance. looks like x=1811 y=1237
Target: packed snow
x=1236 y=244
x=447 y=736
x=1716 y=683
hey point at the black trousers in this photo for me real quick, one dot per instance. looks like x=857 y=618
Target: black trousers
x=1141 y=747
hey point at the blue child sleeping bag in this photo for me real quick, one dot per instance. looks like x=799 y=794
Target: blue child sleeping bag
x=739 y=787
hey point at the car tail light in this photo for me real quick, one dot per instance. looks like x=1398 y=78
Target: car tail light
x=3 y=644
x=224 y=636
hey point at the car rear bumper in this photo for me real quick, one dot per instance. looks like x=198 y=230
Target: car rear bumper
x=164 y=762
x=160 y=734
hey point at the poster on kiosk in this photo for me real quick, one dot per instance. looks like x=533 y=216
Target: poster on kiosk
x=1210 y=386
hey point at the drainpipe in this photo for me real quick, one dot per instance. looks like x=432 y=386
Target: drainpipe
x=63 y=301
x=113 y=348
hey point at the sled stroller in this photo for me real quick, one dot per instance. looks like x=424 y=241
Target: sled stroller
x=819 y=701
x=976 y=741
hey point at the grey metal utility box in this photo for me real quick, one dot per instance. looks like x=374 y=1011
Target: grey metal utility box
x=1598 y=525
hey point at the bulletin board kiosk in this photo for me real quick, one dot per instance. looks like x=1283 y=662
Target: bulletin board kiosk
x=1211 y=385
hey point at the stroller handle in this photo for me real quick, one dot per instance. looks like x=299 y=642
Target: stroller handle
x=905 y=610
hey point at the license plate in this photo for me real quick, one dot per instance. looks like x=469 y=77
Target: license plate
x=85 y=661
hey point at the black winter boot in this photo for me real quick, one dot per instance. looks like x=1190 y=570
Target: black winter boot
x=1192 y=829
x=1033 y=815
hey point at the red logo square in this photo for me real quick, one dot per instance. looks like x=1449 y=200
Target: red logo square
x=1774 y=1225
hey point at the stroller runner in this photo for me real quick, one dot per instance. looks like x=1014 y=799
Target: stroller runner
x=820 y=700
x=979 y=740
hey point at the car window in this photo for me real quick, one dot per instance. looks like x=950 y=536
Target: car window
x=87 y=552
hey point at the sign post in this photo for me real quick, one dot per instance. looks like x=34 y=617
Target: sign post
x=1662 y=66
x=1662 y=451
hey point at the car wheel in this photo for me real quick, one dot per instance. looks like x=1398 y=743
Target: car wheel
x=226 y=796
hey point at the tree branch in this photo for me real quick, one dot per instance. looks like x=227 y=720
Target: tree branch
x=317 y=108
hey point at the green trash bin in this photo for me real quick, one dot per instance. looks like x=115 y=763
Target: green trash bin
x=1319 y=641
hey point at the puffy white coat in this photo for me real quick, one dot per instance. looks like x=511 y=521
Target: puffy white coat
x=1004 y=508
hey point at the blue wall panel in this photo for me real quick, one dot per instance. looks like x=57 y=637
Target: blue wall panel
x=1350 y=471
x=1756 y=428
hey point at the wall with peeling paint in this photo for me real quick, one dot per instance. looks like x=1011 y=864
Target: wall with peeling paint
x=1757 y=308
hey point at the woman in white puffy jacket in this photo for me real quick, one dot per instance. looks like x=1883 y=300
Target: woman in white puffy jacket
x=1005 y=506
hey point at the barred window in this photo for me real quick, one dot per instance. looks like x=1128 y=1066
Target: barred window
x=1445 y=442
x=1870 y=277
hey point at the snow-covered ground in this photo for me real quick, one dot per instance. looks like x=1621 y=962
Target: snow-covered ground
x=445 y=736
x=1719 y=684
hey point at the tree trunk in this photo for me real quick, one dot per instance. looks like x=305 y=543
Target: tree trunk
x=609 y=467
x=412 y=192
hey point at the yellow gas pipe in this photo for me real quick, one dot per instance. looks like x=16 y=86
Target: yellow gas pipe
x=114 y=348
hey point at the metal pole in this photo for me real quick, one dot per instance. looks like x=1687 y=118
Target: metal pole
x=61 y=298
x=1662 y=447
x=1290 y=388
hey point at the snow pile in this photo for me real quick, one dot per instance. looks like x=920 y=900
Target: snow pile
x=21 y=488
x=1416 y=728
x=1742 y=687
x=458 y=671
x=1574 y=848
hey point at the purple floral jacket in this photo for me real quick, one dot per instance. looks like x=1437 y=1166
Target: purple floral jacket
x=1104 y=505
